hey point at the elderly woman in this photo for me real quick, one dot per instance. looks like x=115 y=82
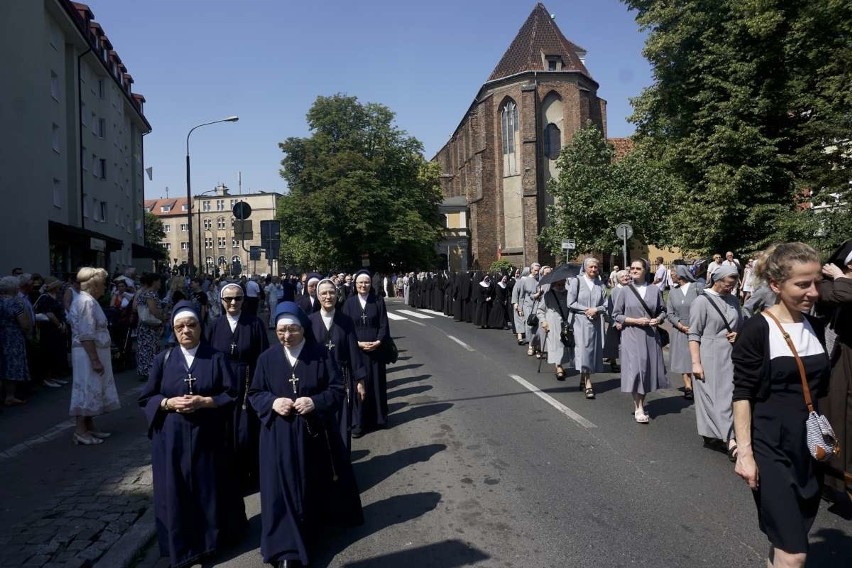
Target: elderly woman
x=336 y=332
x=769 y=403
x=370 y=316
x=242 y=337
x=714 y=320
x=306 y=478
x=639 y=309
x=612 y=339
x=148 y=332
x=15 y=326
x=835 y=293
x=50 y=318
x=517 y=306
x=94 y=390
x=552 y=311
x=187 y=403
x=587 y=300
x=680 y=299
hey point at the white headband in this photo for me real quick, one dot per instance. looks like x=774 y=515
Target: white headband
x=312 y=280
x=232 y=285
x=184 y=314
x=848 y=258
x=288 y=320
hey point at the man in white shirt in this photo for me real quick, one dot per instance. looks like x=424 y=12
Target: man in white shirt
x=661 y=276
x=713 y=266
x=252 y=296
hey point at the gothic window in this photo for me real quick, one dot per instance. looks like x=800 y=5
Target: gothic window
x=509 y=124
x=552 y=141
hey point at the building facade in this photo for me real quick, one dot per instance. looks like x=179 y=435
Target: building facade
x=71 y=162
x=504 y=150
x=219 y=239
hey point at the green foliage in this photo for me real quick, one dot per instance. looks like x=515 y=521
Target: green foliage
x=593 y=194
x=750 y=109
x=155 y=233
x=501 y=265
x=358 y=185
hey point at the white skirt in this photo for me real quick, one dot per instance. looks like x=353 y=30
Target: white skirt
x=92 y=394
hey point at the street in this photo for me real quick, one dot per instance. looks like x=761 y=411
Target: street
x=486 y=463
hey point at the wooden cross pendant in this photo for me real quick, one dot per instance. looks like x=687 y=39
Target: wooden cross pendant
x=189 y=380
x=294 y=380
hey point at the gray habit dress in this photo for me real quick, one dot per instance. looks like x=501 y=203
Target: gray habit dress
x=612 y=339
x=713 y=395
x=677 y=309
x=588 y=333
x=642 y=366
x=548 y=310
x=527 y=286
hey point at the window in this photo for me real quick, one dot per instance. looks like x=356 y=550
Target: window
x=96 y=166
x=208 y=261
x=205 y=206
x=54 y=86
x=552 y=141
x=167 y=228
x=220 y=205
x=554 y=63
x=94 y=123
x=103 y=206
x=235 y=243
x=166 y=208
x=208 y=224
x=208 y=242
x=183 y=227
x=221 y=242
x=83 y=114
x=509 y=123
x=220 y=223
x=220 y=260
x=102 y=168
x=101 y=128
x=184 y=245
x=167 y=245
x=233 y=202
x=54 y=138
x=183 y=207
x=101 y=89
x=58 y=200
x=86 y=210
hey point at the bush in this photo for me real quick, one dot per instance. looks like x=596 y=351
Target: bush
x=501 y=265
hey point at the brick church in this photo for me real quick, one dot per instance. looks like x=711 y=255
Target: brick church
x=496 y=165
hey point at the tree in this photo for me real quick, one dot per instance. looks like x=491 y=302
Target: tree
x=593 y=194
x=357 y=186
x=750 y=108
x=155 y=233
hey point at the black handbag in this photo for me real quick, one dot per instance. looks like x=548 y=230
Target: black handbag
x=391 y=352
x=532 y=319
x=566 y=331
x=665 y=339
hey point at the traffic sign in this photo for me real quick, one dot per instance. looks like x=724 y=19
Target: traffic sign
x=254 y=252
x=569 y=244
x=242 y=210
x=624 y=231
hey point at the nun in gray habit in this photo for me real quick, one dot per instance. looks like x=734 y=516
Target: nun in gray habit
x=714 y=320
x=677 y=312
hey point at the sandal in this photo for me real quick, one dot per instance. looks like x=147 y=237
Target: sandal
x=687 y=394
x=530 y=352
x=590 y=393
x=641 y=417
x=560 y=375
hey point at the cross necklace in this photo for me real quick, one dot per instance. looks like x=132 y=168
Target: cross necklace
x=189 y=380
x=294 y=380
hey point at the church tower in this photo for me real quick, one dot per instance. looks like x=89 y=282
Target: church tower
x=504 y=150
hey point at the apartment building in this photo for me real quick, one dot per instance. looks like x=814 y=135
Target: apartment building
x=71 y=158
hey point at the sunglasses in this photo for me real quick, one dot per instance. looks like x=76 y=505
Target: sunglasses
x=230 y=299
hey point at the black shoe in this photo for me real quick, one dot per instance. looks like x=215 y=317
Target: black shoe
x=357 y=432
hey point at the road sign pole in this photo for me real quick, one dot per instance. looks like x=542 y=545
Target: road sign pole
x=624 y=251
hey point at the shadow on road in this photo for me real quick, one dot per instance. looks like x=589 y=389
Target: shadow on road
x=394 y=368
x=829 y=548
x=667 y=405
x=378 y=468
x=394 y=383
x=378 y=516
x=359 y=455
x=447 y=554
x=409 y=391
x=419 y=411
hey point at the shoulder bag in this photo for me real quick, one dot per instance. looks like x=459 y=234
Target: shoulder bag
x=532 y=319
x=566 y=332
x=662 y=333
x=719 y=311
x=822 y=442
x=145 y=315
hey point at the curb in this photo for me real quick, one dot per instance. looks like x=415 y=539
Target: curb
x=126 y=549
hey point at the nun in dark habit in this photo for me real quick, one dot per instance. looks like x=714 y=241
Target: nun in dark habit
x=242 y=337
x=306 y=478
x=337 y=333
x=187 y=403
x=370 y=316
x=309 y=302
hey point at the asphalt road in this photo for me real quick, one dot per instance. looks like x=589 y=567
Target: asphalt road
x=479 y=470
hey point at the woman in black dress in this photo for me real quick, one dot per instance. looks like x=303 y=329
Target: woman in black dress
x=769 y=405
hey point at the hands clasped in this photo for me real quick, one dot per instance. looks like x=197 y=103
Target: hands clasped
x=286 y=406
x=187 y=403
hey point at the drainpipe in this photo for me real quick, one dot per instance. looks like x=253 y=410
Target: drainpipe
x=80 y=140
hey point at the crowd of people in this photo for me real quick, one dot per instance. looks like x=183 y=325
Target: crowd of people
x=734 y=361
x=229 y=414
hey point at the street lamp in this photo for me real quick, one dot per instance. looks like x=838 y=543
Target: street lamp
x=188 y=186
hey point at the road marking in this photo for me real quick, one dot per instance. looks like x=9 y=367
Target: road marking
x=393 y=316
x=414 y=314
x=462 y=343
x=433 y=312
x=59 y=429
x=553 y=402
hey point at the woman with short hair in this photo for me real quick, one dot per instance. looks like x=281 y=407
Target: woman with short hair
x=639 y=309
x=93 y=392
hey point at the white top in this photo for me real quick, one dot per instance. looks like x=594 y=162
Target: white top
x=252 y=289
x=327 y=317
x=232 y=321
x=590 y=284
x=292 y=353
x=801 y=333
x=189 y=354
x=685 y=287
x=363 y=300
x=641 y=289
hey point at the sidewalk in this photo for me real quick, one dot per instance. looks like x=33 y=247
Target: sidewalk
x=74 y=506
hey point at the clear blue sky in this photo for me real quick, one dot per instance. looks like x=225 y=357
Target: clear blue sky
x=267 y=61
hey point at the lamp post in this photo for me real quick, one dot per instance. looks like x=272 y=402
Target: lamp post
x=189 y=187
